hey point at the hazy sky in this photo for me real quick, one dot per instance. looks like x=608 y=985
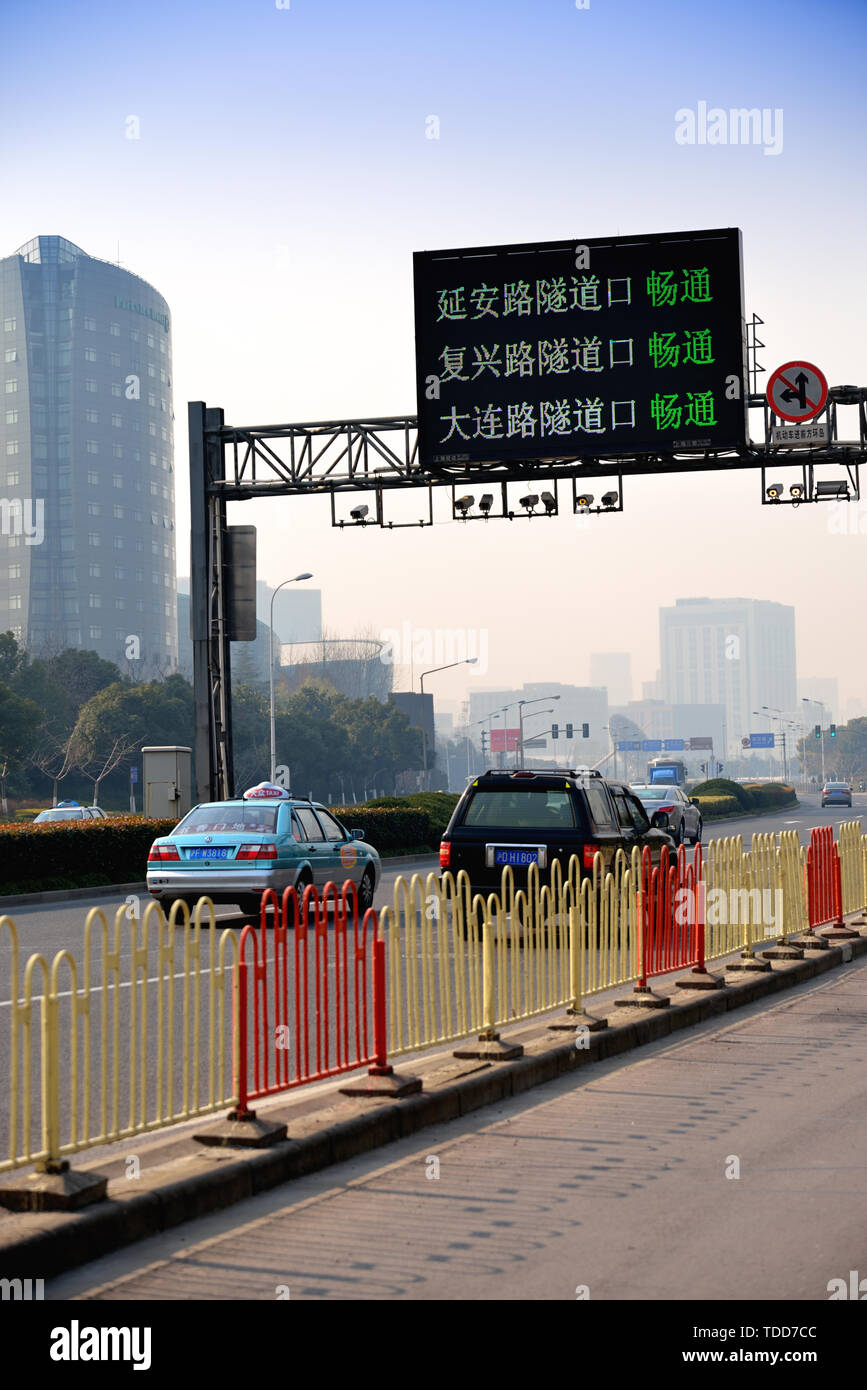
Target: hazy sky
x=283 y=178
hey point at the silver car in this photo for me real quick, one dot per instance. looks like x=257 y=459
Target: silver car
x=683 y=816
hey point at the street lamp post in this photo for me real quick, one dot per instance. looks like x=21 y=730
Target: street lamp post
x=534 y=715
x=778 y=714
x=770 y=718
x=294 y=580
x=467 y=661
x=520 y=703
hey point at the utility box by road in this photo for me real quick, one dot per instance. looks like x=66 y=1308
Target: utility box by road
x=167 y=782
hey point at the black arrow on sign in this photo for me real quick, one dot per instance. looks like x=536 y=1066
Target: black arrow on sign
x=801 y=393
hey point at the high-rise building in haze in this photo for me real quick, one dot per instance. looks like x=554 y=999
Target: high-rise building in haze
x=613 y=670
x=737 y=652
x=87 y=550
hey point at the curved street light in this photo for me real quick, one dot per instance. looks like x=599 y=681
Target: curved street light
x=294 y=580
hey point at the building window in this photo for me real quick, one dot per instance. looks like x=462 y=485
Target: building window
x=152 y=428
x=92 y=478
x=90 y=385
x=93 y=509
x=139 y=605
x=117 y=512
x=117 y=480
x=114 y=330
x=95 y=633
x=10 y=325
x=90 y=323
x=118 y=542
x=13 y=479
x=95 y=571
x=119 y=603
x=114 y=359
x=117 y=421
x=93 y=539
x=119 y=572
x=154 y=488
x=14 y=571
x=12 y=447
x=92 y=446
x=91 y=416
x=12 y=417
x=11 y=386
x=117 y=451
x=150 y=340
x=90 y=354
x=152 y=371
x=139 y=576
x=152 y=400
x=94 y=601
x=10 y=355
x=134 y=335
x=115 y=388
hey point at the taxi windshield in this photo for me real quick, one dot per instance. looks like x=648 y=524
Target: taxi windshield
x=226 y=819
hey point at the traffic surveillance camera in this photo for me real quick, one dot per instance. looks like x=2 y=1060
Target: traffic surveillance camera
x=797 y=491
x=463 y=505
x=775 y=492
x=610 y=499
x=531 y=501
x=585 y=500
x=486 y=502
x=359 y=513
x=550 y=502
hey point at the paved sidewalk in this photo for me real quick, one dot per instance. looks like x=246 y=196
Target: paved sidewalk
x=612 y=1178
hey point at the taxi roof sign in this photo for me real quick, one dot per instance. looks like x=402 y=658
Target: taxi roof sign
x=267 y=791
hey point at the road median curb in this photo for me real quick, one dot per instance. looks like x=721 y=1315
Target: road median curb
x=206 y=1180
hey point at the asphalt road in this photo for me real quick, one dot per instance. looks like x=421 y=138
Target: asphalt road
x=52 y=927
x=725 y=1164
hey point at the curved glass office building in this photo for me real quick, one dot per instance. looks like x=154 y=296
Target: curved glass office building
x=87 y=513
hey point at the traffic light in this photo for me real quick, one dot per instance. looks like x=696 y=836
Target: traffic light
x=568 y=730
x=484 y=742
x=555 y=730
x=833 y=731
x=585 y=730
x=704 y=767
x=818 y=731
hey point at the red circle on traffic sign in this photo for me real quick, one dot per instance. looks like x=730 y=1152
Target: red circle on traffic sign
x=797 y=391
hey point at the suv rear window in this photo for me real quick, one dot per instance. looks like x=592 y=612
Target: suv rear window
x=511 y=809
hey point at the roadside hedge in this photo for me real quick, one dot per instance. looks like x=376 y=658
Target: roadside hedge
x=742 y=798
x=73 y=854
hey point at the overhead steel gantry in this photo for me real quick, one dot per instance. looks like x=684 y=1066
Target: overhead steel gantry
x=234 y=463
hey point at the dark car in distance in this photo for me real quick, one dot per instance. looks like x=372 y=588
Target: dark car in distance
x=536 y=816
x=836 y=794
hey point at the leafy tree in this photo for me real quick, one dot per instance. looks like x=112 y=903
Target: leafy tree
x=82 y=675
x=19 y=720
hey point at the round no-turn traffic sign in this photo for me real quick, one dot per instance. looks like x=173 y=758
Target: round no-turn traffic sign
x=797 y=391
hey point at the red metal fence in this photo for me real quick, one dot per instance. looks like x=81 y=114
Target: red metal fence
x=311 y=1002
x=824 y=880
x=672 y=921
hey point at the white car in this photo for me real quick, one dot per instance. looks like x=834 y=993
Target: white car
x=683 y=816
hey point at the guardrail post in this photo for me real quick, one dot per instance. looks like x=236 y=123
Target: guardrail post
x=381 y=1079
x=642 y=996
x=838 y=931
x=489 y=1045
x=576 y=1019
x=809 y=939
x=241 y=1128
x=699 y=977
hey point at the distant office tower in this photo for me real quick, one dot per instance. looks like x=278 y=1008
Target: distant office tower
x=738 y=652
x=87 y=550
x=614 y=671
x=297 y=611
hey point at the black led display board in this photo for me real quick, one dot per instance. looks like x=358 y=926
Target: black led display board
x=615 y=346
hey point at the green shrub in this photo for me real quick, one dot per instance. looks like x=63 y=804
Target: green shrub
x=714 y=806
x=76 y=854
x=388 y=828
x=723 y=786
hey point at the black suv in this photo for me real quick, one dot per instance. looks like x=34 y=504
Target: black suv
x=535 y=816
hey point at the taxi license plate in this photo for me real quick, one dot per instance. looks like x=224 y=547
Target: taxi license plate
x=208 y=853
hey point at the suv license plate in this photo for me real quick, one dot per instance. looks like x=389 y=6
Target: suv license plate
x=516 y=856
x=208 y=854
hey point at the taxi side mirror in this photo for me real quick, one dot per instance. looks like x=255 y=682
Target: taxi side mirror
x=356 y=834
